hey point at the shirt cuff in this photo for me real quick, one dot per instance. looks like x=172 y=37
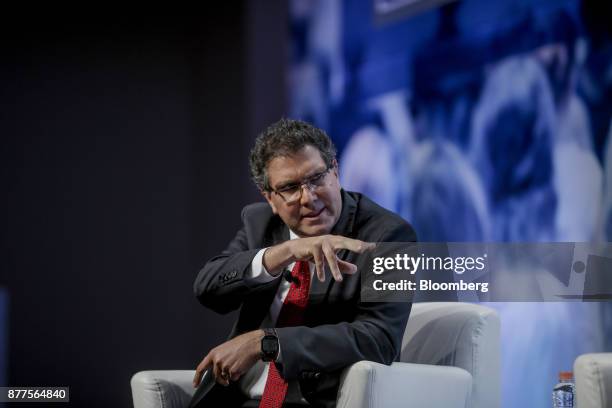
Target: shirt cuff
x=258 y=273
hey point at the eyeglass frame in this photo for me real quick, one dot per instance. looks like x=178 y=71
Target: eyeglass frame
x=308 y=182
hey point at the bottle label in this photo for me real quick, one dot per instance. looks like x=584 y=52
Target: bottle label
x=563 y=399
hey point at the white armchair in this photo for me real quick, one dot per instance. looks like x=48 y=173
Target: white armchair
x=593 y=375
x=450 y=358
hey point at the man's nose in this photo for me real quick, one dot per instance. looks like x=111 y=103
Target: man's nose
x=308 y=194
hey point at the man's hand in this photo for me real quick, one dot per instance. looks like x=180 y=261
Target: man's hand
x=321 y=250
x=230 y=360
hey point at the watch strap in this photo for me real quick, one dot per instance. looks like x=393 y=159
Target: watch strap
x=270 y=332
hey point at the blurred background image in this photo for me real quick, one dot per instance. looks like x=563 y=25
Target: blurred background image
x=476 y=121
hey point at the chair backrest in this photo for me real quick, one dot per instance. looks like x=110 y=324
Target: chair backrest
x=458 y=334
x=593 y=375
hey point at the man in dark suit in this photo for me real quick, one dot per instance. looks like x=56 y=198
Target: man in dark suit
x=297 y=330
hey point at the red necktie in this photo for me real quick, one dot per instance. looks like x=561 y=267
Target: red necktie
x=291 y=314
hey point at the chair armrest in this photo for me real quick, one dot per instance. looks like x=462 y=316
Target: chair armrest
x=372 y=385
x=462 y=335
x=593 y=375
x=162 y=389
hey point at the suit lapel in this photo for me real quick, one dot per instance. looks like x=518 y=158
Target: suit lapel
x=346 y=222
x=255 y=309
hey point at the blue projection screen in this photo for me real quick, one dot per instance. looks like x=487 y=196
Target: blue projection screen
x=476 y=121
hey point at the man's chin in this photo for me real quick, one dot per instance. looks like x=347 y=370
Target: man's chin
x=314 y=230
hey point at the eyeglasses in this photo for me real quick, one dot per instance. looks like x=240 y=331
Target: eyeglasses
x=292 y=193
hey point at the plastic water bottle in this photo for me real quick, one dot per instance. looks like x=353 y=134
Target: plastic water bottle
x=564 y=393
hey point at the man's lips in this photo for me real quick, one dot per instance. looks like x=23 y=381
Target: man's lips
x=313 y=214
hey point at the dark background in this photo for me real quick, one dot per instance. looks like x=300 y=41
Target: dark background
x=124 y=167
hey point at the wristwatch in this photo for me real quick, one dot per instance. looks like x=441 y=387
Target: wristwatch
x=269 y=345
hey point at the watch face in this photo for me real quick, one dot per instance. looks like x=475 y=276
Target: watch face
x=269 y=345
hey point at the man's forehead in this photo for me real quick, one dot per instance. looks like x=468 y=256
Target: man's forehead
x=295 y=166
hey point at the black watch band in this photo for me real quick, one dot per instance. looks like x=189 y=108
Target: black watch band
x=269 y=345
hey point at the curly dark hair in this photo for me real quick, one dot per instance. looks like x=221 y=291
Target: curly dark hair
x=283 y=138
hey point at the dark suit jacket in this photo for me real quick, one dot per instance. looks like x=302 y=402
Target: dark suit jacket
x=338 y=328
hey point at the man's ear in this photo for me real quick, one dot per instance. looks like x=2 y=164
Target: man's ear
x=268 y=196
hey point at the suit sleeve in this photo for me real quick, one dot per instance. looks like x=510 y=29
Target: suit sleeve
x=223 y=283
x=375 y=334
